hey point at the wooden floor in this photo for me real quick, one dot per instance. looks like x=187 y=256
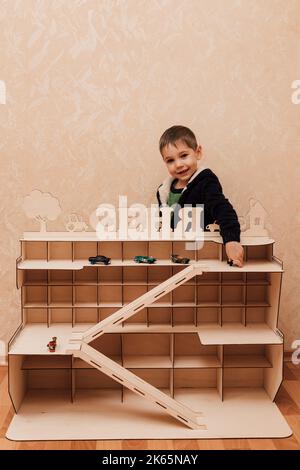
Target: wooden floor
x=288 y=400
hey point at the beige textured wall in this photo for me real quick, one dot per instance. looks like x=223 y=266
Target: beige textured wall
x=92 y=84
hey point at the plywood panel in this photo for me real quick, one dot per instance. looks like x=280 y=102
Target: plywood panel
x=195 y=378
x=60 y=250
x=84 y=249
x=35 y=250
x=243 y=377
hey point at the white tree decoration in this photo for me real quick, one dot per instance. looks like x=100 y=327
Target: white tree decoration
x=41 y=207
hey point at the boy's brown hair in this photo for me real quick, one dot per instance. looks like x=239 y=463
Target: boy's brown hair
x=178 y=133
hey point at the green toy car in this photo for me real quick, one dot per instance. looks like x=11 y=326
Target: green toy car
x=144 y=259
x=180 y=259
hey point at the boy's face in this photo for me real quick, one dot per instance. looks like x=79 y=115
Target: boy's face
x=181 y=161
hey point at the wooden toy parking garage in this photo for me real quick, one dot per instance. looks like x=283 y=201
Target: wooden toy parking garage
x=161 y=350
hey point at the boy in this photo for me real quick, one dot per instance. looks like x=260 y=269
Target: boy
x=188 y=184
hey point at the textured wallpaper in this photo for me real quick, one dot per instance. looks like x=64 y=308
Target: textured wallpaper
x=92 y=84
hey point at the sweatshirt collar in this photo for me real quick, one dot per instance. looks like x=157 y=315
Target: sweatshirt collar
x=164 y=188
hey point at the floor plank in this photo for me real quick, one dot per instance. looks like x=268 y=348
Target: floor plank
x=261 y=444
x=160 y=444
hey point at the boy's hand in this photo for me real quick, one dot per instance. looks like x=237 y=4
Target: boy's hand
x=235 y=252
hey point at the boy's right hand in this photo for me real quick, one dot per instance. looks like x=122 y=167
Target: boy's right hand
x=235 y=252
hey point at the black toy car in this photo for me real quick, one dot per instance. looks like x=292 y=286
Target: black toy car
x=99 y=259
x=180 y=259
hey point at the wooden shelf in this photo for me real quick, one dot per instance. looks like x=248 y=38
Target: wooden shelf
x=246 y=361
x=211 y=264
x=204 y=361
x=147 y=362
x=236 y=333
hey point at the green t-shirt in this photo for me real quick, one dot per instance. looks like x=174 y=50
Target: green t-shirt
x=174 y=194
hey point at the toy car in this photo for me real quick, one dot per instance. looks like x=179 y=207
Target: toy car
x=144 y=259
x=99 y=259
x=180 y=259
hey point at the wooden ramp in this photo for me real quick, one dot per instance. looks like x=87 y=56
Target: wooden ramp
x=139 y=386
x=79 y=348
x=141 y=302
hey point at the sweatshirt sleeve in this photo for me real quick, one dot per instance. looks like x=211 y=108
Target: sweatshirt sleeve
x=220 y=209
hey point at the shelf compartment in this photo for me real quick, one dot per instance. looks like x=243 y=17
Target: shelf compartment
x=146 y=348
x=244 y=355
x=85 y=315
x=184 y=294
x=258 y=294
x=35 y=277
x=138 y=318
x=60 y=315
x=134 y=248
x=258 y=278
x=35 y=296
x=190 y=353
x=233 y=278
x=82 y=250
x=184 y=316
x=60 y=277
x=87 y=275
x=60 y=251
x=233 y=315
x=259 y=252
x=243 y=377
x=196 y=378
x=109 y=294
x=110 y=274
x=160 y=316
x=255 y=314
x=34 y=250
x=111 y=249
x=159 y=274
x=208 y=295
x=161 y=250
x=131 y=293
x=208 y=315
x=92 y=378
x=208 y=278
x=233 y=295
x=210 y=250
x=36 y=315
x=49 y=379
x=31 y=362
x=180 y=249
x=110 y=345
x=85 y=296
x=105 y=312
x=159 y=378
x=133 y=275
x=60 y=296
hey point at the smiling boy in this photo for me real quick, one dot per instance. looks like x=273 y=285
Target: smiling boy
x=190 y=184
